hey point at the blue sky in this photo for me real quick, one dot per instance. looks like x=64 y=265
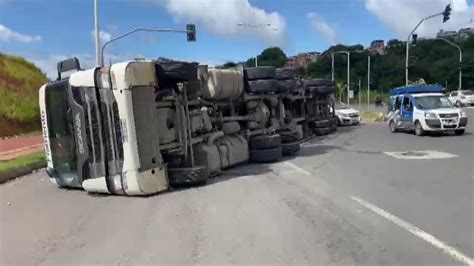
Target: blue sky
x=45 y=31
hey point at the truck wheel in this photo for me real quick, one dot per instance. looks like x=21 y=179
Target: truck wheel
x=459 y=132
x=176 y=70
x=320 y=123
x=265 y=142
x=321 y=131
x=288 y=85
x=322 y=89
x=263 y=85
x=290 y=149
x=187 y=176
x=255 y=73
x=266 y=156
x=419 y=129
x=317 y=82
x=392 y=126
x=285 y=73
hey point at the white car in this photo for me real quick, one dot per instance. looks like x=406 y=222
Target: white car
x=347 y=116
x=462 y=98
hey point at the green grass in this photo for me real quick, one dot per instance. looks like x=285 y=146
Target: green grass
x=372 y=116
x=21 y=161
x=17 y=107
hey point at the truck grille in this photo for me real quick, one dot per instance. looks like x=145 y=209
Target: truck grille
x=108 y=143
x=448 y=115
x=118 y=130
x=88 y=133
x=95 y=133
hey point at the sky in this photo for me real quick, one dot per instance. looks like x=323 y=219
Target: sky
x=47 y=31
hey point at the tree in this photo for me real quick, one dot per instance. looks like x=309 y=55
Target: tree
x=272 y=56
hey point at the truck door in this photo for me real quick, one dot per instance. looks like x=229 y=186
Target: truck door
x=406 y=115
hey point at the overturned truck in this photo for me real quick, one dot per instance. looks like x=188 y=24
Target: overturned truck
x=139 y=127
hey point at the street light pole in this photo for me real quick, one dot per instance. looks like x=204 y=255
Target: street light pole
x=255 y=26
x=348 y=53
x=97 y=34
x=460 y=59
x=407 y=56
x=368 y=83
x=332 y=67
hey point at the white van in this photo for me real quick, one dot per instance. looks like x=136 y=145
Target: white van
x=424 y=109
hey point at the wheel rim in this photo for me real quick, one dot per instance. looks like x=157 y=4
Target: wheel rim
x=418 y=129
x=392 y=126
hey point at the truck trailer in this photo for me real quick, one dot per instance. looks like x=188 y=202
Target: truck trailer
x=142 y=126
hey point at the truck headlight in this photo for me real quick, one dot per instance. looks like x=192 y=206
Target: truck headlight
x=463 y=114
x=430 y=115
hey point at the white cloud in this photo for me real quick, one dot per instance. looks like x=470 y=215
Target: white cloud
x=403 y=15
x=103 y=36
x=8 y=35
x=223 y=18
x=320 y=25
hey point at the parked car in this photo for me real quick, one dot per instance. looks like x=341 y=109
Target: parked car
x=462 y=98
x=347 y=116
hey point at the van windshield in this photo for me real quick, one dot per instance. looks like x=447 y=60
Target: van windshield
x=61 y=131
x=433 y=102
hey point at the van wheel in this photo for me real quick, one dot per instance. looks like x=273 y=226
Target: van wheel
x=419 y=129
x=459 y=104
x=392 y=126
x=459 y=132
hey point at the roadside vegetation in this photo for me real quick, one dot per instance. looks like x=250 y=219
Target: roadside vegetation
x=20 y=81
x=21 y=161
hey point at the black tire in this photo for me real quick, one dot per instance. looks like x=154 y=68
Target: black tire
x=187 y=176
x=255 y=73
x=334 y=121
x=285 y=73
x=459 y=132
x=176 y=71
x=266 y=156
x=419 y=129
x=332 y=128
x=288 y=85
x=320 y=124
x=317 y=82
x=321 y=131
x=263 y=142
x=322 y=89
x=392 y=126
x=459 y=104
x=290 y=149
x=263 y=86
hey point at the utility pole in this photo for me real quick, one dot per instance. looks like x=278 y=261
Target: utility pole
x=348 y=75
x=460 y=59
x=446 y=13
x=368 y=84
x=98 y=60
x=360 y=104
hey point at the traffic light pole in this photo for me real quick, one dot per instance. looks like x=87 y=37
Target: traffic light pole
x=133 y=31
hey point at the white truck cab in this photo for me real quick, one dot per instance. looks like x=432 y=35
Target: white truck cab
x=424 y=109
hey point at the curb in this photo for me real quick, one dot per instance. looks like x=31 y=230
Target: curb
x=17 y=172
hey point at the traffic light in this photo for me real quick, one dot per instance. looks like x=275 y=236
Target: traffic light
x=414 y=39
x=447 y=13
x=191 y=32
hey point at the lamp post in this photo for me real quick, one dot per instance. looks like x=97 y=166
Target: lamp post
x=348 y=53
x=97 y=35
x=255 y=26
x=446 y=13
x=460 y=58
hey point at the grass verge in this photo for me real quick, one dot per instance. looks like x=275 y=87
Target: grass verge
x=22 y=161
x=373 y=117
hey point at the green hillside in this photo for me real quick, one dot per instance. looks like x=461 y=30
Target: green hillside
x=19 y=84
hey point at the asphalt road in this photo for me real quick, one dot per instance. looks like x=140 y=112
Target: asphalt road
x=341 y=201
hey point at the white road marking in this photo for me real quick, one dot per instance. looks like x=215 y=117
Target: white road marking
x=298 y=169
x=427 y=155
x=455 y=254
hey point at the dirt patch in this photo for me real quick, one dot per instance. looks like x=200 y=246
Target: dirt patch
x=11 y=128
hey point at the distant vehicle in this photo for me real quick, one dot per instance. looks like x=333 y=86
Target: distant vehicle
x=462 y=98
x=378 y=102
x=347 y=116
x=424 y=109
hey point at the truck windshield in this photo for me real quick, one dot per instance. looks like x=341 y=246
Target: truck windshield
x=61 y=131
x=433 y=102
